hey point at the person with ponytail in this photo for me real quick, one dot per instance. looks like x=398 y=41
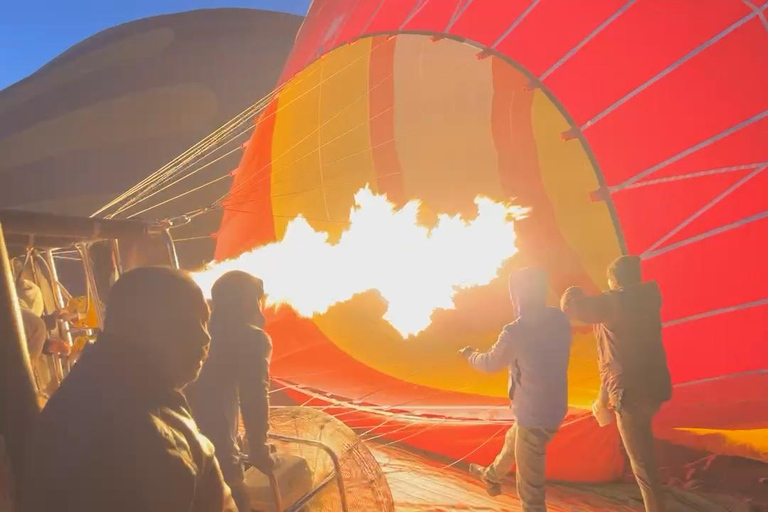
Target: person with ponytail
x=235 y=380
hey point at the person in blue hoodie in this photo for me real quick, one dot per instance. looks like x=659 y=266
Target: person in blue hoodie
x=634 y=376
x=535 y=348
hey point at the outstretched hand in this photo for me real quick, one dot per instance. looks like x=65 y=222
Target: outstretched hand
x=56 y=346
x=65 y=315
x=467 y=351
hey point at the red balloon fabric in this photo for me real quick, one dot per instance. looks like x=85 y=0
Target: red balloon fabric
x=669 y=100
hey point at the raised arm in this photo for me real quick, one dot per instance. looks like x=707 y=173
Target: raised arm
x=592 y=310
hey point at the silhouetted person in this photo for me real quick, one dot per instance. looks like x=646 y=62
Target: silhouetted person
x=235 y=379
x=535 y=348
x=118 y=434
x=634 y=376
x=36 y=328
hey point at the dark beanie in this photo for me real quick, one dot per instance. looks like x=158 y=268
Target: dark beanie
x=235 y=287
x=625 y=270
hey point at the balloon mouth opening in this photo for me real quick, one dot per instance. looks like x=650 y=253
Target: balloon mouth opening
x=366 y=114
x=415 y=269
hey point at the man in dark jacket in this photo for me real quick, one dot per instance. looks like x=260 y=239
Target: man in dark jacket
x=118 y=434
x=235 y=378
x=634 y=377
x=535 y=349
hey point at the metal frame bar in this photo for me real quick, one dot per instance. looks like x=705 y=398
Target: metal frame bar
x=76 y=229
x=117 y=260
x=273 y=483
x=58 y=298
x=168 y=239
x=90 y=278
x=311 y=494
x=334 y=459
x=18 y=401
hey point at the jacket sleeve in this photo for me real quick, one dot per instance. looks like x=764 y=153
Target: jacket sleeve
x=254 y=392
x=591 y=310
x=211 y=492
x=499 y=356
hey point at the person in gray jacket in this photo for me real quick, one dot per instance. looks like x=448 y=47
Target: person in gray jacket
x=634 y=375
x=535 y=348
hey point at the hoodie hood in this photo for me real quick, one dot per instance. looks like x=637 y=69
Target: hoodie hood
x=528 y=290
x=236 y=300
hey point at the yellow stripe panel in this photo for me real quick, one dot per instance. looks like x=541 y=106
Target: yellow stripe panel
x=443 y=98
x=568 y=177
x=321 y=142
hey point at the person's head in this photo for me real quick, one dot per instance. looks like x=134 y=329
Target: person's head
x=238 y=295
x=30 y=296
x=624 y=271
x=528 y=288
x=162 y=312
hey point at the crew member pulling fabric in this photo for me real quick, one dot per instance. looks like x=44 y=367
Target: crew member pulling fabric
x=535 y=348
x=634 y=376
x=235 y=378
x=118 y=434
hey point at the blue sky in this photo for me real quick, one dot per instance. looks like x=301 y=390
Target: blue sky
x=34 y=32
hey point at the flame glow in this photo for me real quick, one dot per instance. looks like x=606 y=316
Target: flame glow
x=415 y=269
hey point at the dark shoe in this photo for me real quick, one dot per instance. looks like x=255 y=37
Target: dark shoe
x=478 y=471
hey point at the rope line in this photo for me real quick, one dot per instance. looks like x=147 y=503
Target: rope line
x=687 y=176
x=244 y=116
x=701 y=211
x=167 y=185
x=269 y=176
x=237 y=120
x=261 y=171
x=215 y=180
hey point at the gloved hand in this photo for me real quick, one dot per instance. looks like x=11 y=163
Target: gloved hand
x=264 y=459
x=56 y=346
x=64 y=314
x=602 y=413
x=467 y=351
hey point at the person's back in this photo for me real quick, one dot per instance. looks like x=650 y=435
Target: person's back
x=536 y=349
x=235 y=379
x=538 y=367
x=634 y=376
x=236 y=372
x=118 y=434
x=627 y=320
x=632 y=354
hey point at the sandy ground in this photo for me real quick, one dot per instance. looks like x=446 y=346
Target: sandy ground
x=419 y=484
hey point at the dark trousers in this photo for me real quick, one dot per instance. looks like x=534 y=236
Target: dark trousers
x=527 y=449
x=635 y=426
